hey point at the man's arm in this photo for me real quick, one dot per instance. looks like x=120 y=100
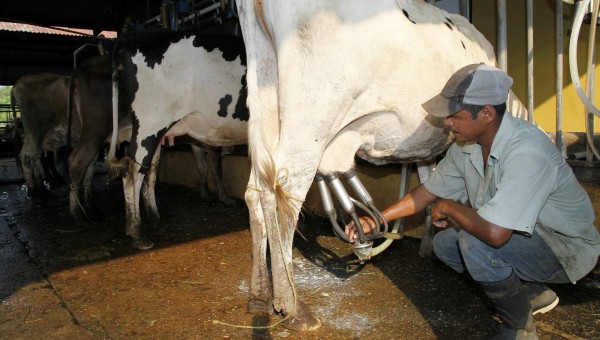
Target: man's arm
x=413 y=202
x=469 y=220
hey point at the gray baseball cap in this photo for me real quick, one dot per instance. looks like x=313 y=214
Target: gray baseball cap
x=475 y=84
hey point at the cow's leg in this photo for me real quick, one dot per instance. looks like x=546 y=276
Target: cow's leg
x=81 y=170
x=214 y=160
x=424 y=169
x=202 y=165
x=261 y=291
x=132 y=184
x=93 y=212
x=30 y=157
x=263 y=106
x=148 y=192
x=280 y=236
x=51 y=174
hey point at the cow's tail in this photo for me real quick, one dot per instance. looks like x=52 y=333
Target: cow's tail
x=17 y=130
x=264 y=166
x=115 y=166
x=260 y=149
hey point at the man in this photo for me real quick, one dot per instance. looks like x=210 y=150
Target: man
x=523 y=219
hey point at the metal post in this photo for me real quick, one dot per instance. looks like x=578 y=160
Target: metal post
x=465 y=9
x=591 y=82
x=501 y=35
x=530 y=91
x=560 y=142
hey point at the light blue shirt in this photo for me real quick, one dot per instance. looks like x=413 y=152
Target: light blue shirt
x=526 y=185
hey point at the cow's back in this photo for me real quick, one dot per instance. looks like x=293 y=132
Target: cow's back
x=43 y=98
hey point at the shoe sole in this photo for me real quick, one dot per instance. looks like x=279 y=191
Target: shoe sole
x=546 y=308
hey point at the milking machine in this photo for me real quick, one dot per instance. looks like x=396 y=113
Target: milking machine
x=363 y=245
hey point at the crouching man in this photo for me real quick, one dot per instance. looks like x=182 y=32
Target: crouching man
x=523 y=219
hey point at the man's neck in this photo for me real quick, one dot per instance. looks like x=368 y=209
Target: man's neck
x=487 y=139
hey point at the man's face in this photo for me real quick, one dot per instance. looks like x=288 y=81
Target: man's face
x=464 y=127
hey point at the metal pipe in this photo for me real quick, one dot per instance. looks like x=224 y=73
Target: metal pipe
x=573 y=58
x=574 y=69
x=77 y=51
x=200 y=12
x=346 y=203
x=501 y=35
x=530 y=91
x=465 y=9
x=398 y=227
x=560 y=141
x=590 y=82
x=329 y=208
x=358 y=187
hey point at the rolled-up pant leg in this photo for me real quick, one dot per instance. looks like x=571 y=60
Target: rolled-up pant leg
x=528 y=256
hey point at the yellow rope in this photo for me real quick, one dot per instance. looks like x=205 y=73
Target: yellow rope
x=136 y=162
x=287 y=269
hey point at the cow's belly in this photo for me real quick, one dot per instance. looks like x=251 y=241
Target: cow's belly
x=386 y=137
x=211 y=129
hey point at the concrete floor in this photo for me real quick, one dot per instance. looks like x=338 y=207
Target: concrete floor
x=92 y=285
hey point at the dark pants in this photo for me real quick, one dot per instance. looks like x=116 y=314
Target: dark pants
x=528 y=256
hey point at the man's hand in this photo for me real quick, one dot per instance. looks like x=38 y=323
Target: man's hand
x=439 y=212
x=368 y=226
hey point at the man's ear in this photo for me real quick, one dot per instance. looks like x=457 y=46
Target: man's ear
x=489 y=113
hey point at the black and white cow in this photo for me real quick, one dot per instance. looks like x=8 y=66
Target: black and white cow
x=180 y=83
x=328 y=80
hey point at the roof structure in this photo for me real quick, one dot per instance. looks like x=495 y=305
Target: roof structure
x=26 y=28
x=42 y=35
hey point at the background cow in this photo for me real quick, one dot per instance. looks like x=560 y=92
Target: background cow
x=328 y=80
x=180 y=83
x=42 y=100
x=43 y=103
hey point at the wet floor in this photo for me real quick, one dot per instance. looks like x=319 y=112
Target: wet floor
x=92 y=285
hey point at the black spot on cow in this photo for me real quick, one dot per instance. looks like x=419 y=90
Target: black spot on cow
x=223 y=104
x=408 y=16
x=448 y=25
x=135 y=127
x=150 y=143
x=450 y=21
x=463 y=44
x=231 y=47
x=152 y=43
x=241 y=108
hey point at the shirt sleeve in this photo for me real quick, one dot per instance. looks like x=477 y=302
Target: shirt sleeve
x=447 y=180
x=527 y=180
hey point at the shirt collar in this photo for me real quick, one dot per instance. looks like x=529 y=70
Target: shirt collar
x=502 y=136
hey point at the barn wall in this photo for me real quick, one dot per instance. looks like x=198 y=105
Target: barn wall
x=484 y=18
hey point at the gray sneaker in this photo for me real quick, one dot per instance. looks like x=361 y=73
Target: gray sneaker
x=541 y=298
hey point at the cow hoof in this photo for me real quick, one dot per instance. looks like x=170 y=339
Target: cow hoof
x=256 y=306
x=143 y=244
x=303 y=320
